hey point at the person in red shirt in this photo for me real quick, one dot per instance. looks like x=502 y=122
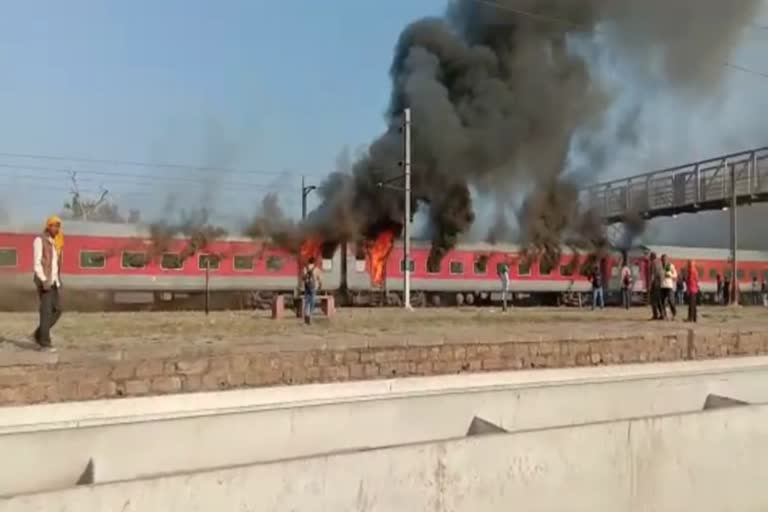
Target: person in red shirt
x=693 y=290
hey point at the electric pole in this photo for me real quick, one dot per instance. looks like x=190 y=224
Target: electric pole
x=734 y=237
x=305 y=191
x=407 y=219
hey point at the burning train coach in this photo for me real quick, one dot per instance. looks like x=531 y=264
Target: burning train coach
x=120 y=264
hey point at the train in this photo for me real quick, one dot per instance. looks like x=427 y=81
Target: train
x=121 y=265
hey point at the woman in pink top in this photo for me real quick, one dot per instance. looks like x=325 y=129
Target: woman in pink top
x=692 y=280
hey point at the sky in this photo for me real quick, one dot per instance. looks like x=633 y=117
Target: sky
x=274 y=90
x=248 y=84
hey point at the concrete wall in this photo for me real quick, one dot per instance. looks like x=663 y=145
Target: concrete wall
x=411 y=411
x=32 y=377
x=129 y=410
x=709 y=461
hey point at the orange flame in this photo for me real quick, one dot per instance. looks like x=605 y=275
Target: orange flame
x=310 y=248
x=378 y=252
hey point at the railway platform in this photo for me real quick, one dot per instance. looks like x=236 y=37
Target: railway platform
x=109 y=355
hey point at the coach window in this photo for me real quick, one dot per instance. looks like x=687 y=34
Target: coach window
x=210 y=261
x=481 y=266
x=275 y=264
x=545 y=266
x=8 y=258
x=524 y=268
x=92 y=259
x=243 y=263
x=457 y=267
x=171 y=261
x=411 y=266
x=134 y=260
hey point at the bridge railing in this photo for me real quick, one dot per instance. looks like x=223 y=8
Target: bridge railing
x=692 y=186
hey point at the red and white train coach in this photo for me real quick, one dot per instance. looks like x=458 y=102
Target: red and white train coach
x=122 y=264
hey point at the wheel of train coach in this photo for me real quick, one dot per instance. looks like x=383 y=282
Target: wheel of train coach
x=470 y=298
x=435 y=300
x=459 y=299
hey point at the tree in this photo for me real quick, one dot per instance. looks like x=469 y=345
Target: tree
x=95 y=210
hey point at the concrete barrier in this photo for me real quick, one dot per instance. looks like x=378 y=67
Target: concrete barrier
x=706 y=461
x=129 y=410
x=409 y=412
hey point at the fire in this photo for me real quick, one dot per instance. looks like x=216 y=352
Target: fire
x=310 y=248
x=378 y=252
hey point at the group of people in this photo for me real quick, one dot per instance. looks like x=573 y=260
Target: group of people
x=724 y=296
x=667 y=288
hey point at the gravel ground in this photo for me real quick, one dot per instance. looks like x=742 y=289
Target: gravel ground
x=94 y=331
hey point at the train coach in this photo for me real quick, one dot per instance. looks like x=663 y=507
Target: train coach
x=120 y=264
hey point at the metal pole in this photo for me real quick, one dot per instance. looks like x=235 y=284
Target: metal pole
x=303 y=199
x=207 y=284
x=734 y=239
x=407 y=220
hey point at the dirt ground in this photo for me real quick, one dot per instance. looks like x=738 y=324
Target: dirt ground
x=355 y=327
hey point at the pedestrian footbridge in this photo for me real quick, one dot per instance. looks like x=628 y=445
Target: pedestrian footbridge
x=711 y=184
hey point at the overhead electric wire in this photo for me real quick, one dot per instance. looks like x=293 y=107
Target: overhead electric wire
x=134 y=163
x=159 y=195
x=137 y=177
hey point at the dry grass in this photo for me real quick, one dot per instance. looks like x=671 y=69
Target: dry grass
x=353 y=326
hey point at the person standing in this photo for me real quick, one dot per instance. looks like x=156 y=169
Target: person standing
x=598 y=297
x=668 y=285
x=657 y=276
x=626 y=285
x=47 y=249
x=719 y=293
x=503 y=272
x=679 y=290
x=692 y=281
x=755 y=291
x=312 y=284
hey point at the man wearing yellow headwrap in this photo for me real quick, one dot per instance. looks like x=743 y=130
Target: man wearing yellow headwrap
x=47 y=263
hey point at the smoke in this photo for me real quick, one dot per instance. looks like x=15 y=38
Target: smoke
x=270 y=222
x=505 y=104
x=194 y=226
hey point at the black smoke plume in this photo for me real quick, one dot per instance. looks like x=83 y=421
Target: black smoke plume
x=194 y=226
x=502 y=100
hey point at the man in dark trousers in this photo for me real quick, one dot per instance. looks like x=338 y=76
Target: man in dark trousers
x=657 y=276
x=47 y=249
x=692 y=277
